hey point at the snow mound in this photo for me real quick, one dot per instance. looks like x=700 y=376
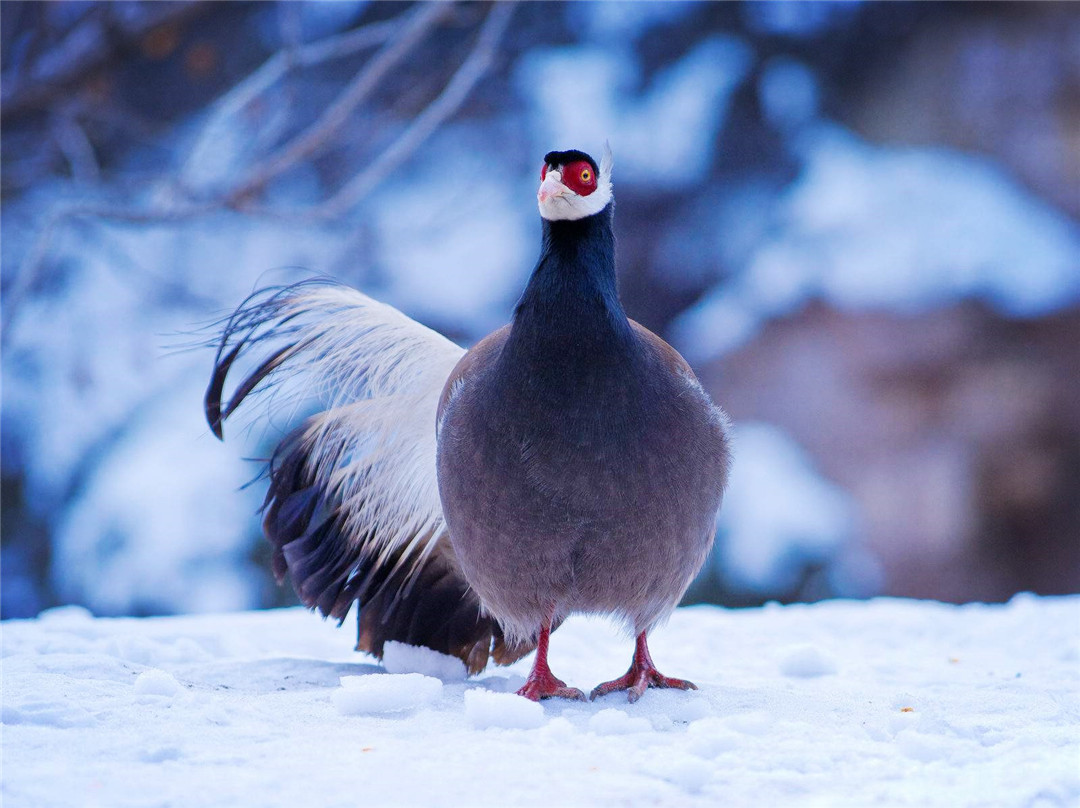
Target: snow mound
x=399 y=657
x=711 y=737
x=806 y=661
x=156 y=682
x=47 y=713
x=159 y=754
x=381 y=693
x=689 y=773
x=487 y=710
x=66 y=614
x=617 y=722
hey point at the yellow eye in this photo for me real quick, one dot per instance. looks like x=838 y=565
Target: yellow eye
x=586 y=175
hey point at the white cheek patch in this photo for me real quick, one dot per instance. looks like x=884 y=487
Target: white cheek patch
x=570 y=206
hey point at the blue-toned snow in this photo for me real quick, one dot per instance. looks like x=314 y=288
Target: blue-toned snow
x=896 y=229
x=808 y=519
x=885 y=703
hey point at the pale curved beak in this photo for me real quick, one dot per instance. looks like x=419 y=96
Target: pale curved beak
x=551 y=187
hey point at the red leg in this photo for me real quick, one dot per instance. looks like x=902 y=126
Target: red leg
x=641 y=676
x=542 y=683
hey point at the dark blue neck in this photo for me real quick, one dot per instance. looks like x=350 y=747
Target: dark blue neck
x=572 y=295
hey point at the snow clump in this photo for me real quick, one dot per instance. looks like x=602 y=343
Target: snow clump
x=156 y=682
x=399 y=657
x=485 y=710
x=382 y=693
x=617 y=722
x=805 y=662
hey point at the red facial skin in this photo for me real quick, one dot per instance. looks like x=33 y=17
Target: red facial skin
x=579 y=177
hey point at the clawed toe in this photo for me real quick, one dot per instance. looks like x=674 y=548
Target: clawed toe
x=636 y=685
x=537 y=690
x=641 y=676
x=622 y=683
x=568 y=693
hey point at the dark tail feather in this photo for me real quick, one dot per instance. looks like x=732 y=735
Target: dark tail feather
x=429 y=604
x=212 y=400
x=249 y=384
x=259 y=317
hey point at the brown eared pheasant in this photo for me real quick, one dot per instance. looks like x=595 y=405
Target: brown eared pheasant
x=471 y=501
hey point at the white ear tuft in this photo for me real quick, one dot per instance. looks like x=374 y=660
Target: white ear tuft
x=607 y=162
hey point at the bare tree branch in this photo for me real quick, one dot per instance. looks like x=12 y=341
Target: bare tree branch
x=75 y=146
x=448 y=101
x=32 y=264
x=83 y=49
x=419 y=22
x=272 y=71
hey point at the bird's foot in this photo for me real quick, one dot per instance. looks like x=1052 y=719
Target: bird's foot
x=545 y=686
x=639 y=679
x=542 y=683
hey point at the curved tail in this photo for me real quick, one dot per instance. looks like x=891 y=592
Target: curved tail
x=352 y=509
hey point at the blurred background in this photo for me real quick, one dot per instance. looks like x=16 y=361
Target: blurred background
x=858 y=221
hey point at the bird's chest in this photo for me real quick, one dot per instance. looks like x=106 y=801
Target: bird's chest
x=566 y=439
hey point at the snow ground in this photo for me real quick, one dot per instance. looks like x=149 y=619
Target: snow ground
x=886 y=702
